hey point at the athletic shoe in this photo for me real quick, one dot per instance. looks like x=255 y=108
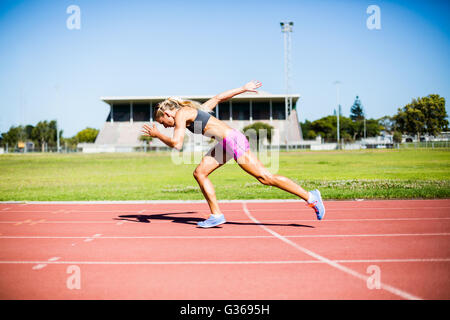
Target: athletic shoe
x=317 y=205
x=212 y=221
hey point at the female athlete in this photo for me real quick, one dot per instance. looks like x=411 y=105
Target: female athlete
x=194 y=116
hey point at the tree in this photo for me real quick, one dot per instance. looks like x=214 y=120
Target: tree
x=349 y=130
x=13 y=136
x=433 y=108
x=42 y=132
x=71 y=143
x=145 y=139
x=326 y=127
x=308 y=133
x=346 y=129
x=357 y=110
x=373 y=127
x=397 y=137
x=259 y=128
x=422 y=115
x=53 y=127
x=387 y=123
x=29 y=129
x=87 y=135
x=358 y=116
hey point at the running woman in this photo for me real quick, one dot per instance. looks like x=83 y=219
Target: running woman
x=196 y=117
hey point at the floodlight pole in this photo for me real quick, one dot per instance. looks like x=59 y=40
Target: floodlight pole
x=364 y=126
x=57 y=133
x=286 y=28
x=337 y=83
x=57 y=138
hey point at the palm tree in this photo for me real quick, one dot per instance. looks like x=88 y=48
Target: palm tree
x=42 y=132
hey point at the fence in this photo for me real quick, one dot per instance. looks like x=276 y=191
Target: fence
x=284 y=148
x=424 y=144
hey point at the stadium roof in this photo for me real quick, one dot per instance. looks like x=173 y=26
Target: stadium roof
x=260 y=95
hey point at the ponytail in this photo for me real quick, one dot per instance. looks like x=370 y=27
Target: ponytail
x=176 y=103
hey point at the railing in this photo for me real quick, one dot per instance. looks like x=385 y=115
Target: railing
x=424 y=144
x=297 y=147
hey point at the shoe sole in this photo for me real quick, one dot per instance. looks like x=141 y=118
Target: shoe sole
x=215 y=225
x=324 y=211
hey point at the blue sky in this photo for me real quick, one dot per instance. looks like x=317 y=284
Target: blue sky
x=204 y=47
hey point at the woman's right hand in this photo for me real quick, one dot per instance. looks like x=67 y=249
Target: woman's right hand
x=150 y=131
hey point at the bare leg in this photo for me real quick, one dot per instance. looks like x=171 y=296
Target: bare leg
x=210 y=162
x=251 y=164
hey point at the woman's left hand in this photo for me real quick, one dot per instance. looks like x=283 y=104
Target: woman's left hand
x=252 y=86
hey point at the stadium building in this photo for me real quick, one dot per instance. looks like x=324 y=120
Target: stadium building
x=122 y=130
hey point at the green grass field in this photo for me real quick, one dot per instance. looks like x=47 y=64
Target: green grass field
x=362 y=174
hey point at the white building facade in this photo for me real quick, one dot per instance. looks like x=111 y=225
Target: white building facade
x=122 y=130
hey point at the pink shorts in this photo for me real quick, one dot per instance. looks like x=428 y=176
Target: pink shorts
x=235 y=143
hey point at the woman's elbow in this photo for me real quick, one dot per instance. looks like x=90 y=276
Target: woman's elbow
x=178 y=145
x=218 y=99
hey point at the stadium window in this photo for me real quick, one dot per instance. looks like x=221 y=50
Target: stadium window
x=261 y=110
x=241 y=110
x=141 y=111
x=121 y=112
x=224 y=111
x=278 y=110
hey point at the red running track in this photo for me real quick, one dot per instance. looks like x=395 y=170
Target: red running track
x=266 y=250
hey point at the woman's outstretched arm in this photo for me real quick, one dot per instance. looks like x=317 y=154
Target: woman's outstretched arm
x=224 y=96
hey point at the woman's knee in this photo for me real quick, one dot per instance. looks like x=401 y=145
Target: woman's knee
x=266 y=178
x=199 y=174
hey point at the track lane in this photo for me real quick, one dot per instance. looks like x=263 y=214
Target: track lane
x=263 y=267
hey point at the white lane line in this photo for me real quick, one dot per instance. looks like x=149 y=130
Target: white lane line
x=235 y=237
x=54 y=259
x=393 y=260
x=130 y=202
x=155 y=202
x=334 y=264
x=41 y=265
x=234 y=220
x=226 y=262
x=92 y=237
x=385 y=219
x=36 y=222
x=4 y=209
x=302 y=208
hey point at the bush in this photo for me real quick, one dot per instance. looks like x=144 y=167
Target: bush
x=397 y=137
x=257 y=126
x=87 y=135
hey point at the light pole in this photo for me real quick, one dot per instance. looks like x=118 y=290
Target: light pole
x=365 y=127
x=57 y=133
x=286 y=28
x=337 y=83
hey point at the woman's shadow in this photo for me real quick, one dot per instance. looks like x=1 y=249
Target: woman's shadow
x=193 y=220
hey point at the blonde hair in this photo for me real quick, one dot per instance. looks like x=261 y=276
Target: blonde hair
x=176 y=103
